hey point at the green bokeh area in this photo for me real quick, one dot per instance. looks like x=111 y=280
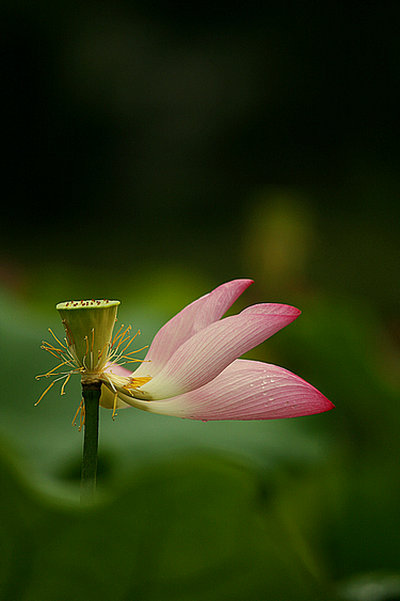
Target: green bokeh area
x=153 y=151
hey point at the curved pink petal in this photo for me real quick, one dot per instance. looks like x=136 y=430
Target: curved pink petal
x=193 y=318
x=118 y=370
x=206 y=354
x=271 y=309
x=245 y=390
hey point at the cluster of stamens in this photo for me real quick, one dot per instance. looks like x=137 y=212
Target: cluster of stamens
x=89 y=367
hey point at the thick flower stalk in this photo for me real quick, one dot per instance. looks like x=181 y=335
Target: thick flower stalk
x=193 y=370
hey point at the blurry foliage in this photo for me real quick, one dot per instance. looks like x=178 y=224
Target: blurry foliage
x=279 y=239
x=189 y=527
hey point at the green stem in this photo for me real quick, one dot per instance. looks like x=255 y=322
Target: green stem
x=91 y=396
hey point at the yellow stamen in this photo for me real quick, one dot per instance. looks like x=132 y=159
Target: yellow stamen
x=45 y=392
x=87 y=346
x=82 y=418
x=100 y=353
x=52 y=352
x=137 y=350
x=130 y=342
x=92 y=345
x=49 y=373
x=65 y=383
x=116 y=334
x=140 y=381
x=51 y=346
x=123 y=337
x=114 y=413
x=136 y=383
x=55 y=338
x=77 y=413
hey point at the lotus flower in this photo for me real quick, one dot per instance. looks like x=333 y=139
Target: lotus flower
x=193 y=370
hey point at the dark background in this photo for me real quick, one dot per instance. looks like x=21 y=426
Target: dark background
x=152 y=151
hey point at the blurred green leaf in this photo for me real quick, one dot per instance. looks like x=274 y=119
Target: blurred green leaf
x=191 y=526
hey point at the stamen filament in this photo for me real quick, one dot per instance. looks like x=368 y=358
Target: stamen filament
x=77 y=413
x=49 y=373
x=131 y=340
x=110 y=383
x=100 y=354
x=57 y=356
x=82 y=417
x=137 y=350
x=55 y=338
x=87 y=346
x=51 y=346
x=44 y=393
x=114 y=413
x=117 y=334
x=64 y=384
x=122 y=337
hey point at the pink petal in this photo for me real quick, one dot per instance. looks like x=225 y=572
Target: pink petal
x=271 y=309
x=206 y=354
x=193 y=318
x=245 y=390
x=118 y=370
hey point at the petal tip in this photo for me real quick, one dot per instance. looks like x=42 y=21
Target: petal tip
x=245 y=282
x=329 y=405
x=323 y=404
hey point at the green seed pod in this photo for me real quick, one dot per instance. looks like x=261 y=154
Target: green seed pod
x=89 y=326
